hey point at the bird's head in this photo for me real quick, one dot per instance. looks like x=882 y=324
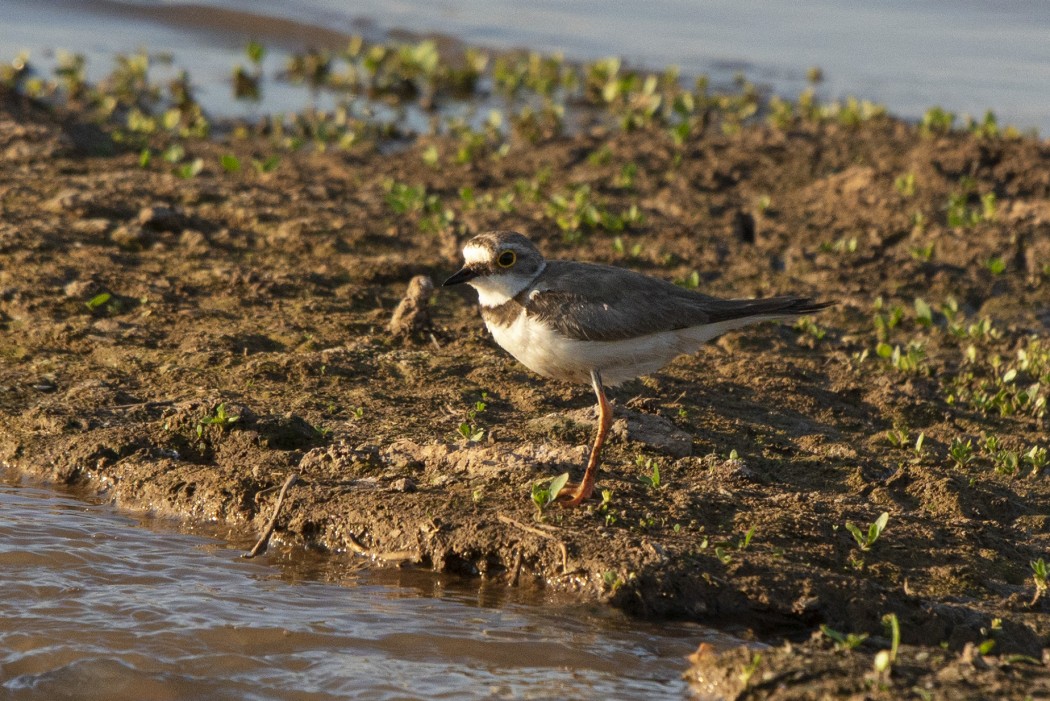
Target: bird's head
x=499 y=265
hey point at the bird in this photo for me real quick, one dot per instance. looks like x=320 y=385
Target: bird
x=588 y=323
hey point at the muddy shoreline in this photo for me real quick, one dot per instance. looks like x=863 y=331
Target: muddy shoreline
x=136 y=300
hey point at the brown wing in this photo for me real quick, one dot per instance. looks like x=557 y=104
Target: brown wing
x=603 y=303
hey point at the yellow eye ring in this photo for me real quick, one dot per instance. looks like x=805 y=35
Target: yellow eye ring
x=506 y=259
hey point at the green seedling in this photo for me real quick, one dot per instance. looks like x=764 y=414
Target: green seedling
x=898 y=436
x=745 y=541
x=910 y=359
x=230 y=163
x=652 y=480
x=545 y=492
x=1006 y=462
x=923 y=254
x=866 y=540
x=98 y=301
x=996 y=265
x=267 y=165
x=905 y=184
x=691 y=281
x=961 y=452
x=923 y=312
x=986 y=647
x=612 y=580
x=1037 y=458
x=722 y=555
x=810 y=328
x=919 y=450
x=843 y=641
x=219 y=418
x=190 y=170
x=606 y=507
x=886 y=658
x=468 y=429
x=1040 y=577
x=470 y=432
x=750 y=668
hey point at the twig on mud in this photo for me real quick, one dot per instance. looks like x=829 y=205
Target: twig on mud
x=530 y=529
x=433 y=339
x=393 y=556
x=268 y=531
x=543 y=534
x=138 y=404
x=515 y=570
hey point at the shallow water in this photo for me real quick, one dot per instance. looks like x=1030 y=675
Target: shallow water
x=967 y=56
x=99 y=605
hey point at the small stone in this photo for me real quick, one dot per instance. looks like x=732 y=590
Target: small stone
x=412 y=315
x=404 y=485
x=66 y=201
x=160 y=218
x=128 y=235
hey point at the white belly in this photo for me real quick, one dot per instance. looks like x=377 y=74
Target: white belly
x=548 y=353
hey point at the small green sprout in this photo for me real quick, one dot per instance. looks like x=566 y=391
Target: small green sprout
x=923 y=312
x=545 y=492
x=606 y=506
x=961 y=452
x=470 y=432
x=750 y=668
x=807 y=326
x=919 y=450
x=1040 y=576
x=230 y=163
x=98 y=300
x=996 y=265
x=652 y=480
x=843 y=641
x=923 y=254
x=898 y=436
x=745 y=541
x=220 y=418
x=905 y=184
x=267 y=165
x=986 y=647
x=1037 y=458
x=190 y=170
x=722 y=555
x=865 y=541
x=886 y=658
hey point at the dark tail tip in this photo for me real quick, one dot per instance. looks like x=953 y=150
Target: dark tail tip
x=805 y=305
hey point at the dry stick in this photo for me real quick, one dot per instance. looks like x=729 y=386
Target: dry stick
x=543 y=534
x=393 y=556
x=268 y=531
x=515 y=569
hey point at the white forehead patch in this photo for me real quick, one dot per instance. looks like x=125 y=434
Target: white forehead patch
x=473 y=253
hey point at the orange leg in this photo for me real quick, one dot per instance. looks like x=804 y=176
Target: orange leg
x=574 y=494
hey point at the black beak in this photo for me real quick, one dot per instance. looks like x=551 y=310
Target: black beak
x=465 y=273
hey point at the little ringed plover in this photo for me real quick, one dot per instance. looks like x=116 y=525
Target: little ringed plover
x=584 y=322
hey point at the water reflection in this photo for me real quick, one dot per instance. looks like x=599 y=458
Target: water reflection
x=95 y=606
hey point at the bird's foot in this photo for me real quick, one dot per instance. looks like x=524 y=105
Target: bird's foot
x=574 y=494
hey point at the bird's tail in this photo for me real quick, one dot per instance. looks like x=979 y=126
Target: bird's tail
x=770 y=307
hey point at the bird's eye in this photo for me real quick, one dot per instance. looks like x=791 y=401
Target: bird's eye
x=506 y=259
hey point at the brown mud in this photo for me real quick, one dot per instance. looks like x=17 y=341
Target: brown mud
x=270 y=294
